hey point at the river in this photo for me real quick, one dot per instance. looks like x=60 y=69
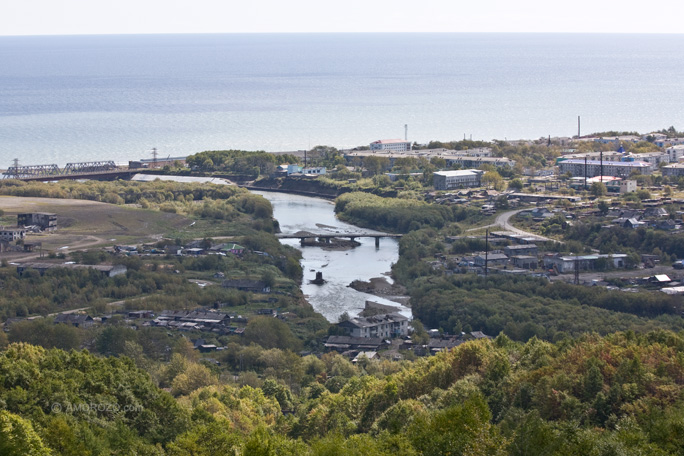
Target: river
x=339 y=267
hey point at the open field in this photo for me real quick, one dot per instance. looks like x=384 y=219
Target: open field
x=84 y=223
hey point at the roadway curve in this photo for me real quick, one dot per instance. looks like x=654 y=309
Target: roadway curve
x=502 y=221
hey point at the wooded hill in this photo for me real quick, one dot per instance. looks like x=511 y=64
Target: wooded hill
x=620 y=394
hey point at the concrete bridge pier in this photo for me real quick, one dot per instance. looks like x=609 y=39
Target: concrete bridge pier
x=377 y=242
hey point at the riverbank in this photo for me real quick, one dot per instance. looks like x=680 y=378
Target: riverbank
x=380 y=286
x=304 y=187
x=340 y=267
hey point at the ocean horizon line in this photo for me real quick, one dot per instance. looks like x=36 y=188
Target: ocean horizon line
x=302 y=33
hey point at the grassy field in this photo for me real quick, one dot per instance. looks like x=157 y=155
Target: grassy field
x=92 y=223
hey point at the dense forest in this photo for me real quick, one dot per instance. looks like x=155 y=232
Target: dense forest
x=618 y=394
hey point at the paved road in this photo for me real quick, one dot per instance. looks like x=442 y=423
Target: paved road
x=502 y=221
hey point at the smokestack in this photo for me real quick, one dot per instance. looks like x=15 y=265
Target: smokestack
x=579 y=135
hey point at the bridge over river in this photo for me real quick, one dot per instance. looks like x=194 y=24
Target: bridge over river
x=326 y=237
x=102 y=170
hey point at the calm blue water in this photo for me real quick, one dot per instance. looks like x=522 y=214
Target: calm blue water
x=83 y=98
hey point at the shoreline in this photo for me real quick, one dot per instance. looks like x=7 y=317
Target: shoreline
x=381 y=287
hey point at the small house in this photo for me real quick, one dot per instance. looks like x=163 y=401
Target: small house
x=73 y=319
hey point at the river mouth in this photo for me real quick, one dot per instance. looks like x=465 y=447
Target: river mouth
x=339 y=266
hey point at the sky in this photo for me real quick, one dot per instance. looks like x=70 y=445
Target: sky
x=79 y=17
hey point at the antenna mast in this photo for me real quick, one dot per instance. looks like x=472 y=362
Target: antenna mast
x=154 y=157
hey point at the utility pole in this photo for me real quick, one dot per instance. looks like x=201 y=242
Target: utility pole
x=486 y=252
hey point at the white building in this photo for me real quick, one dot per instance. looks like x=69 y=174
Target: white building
x=675 y=153
x=578 y=167
x=448 y=180
x=388 y=325
x=318 y=170
x=617 y=139
x=395 y=145
x=566 y=264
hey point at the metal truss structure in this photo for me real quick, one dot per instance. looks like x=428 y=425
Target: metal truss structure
x=89 y=167
x=27 y=172
x=23 y=172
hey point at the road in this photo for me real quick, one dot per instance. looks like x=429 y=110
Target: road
x=502 y=221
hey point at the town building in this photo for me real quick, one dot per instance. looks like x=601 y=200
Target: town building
x=590 y=168
x=449 y=180
x=344 y=343
x=46 y=221
x=525 y=261
x=566 y=263
x=473 y=158
x=467 y=161
x=74 y=319
x=314 y=171
x=613 y=184
x=13 y=233
x=395 y=145
x=387 y=325
x=491 y=259
x=668 y=142
x=617 y=139
x=674 y=170
x=675 y=153
x=522 y=249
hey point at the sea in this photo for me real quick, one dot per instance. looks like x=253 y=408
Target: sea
x=67 y=99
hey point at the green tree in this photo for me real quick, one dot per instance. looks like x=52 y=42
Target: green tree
x=18 y=438
x=494 y=180
x=598 y=189
x=270 y=332
x=515 y=184
x=376 y=165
